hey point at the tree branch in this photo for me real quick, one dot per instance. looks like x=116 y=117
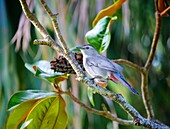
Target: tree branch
x=165 y=11
x=144 y=86
x=69 y=56
x=104 y=113
x=34 y=20
x=131 y=64
x=145 y=95
x=139 y=120
x=155 y=39
x=55 y=25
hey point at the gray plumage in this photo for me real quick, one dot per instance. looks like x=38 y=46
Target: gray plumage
x=98 y=66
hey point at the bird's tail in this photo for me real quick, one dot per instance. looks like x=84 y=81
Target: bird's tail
x=125 y=83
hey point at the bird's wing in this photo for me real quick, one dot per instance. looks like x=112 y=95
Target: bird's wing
x=104 y=63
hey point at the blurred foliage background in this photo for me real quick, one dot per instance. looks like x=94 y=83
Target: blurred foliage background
x=131 y=39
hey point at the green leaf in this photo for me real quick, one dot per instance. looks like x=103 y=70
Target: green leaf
x=90 y=95
x=19 y=114
x=46 y=114
x=100 y=36
x=22 y=96
x=42 y=70
x=62 y=119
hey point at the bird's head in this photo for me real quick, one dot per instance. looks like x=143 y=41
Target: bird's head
x=87 y=50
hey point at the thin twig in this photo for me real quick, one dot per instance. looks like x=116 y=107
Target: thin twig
x=165 y=11
x=129 y=63
x=108 y=114
x=144 y=86
x=145 y=95
x=55 y=25
x=104 y=113
x=155 y=39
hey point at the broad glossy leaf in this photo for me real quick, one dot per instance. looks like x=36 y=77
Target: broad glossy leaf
x=62 y=118
x=90 y=95
x=22 y=96
x=46 y=114
x=109 y=11
x=38 y=113
x=100 y=36
x=19 y=114
x=42 y=70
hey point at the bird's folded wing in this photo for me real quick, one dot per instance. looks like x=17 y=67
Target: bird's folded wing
x=104 y=63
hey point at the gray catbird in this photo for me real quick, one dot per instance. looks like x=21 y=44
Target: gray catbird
x=101 y=68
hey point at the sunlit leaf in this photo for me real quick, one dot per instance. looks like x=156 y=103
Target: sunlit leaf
x=22 y=96
x=109 y=11
x=46 y=114
x=100 y=36
x=42 y=70
x=90 y=95
x=19 y=114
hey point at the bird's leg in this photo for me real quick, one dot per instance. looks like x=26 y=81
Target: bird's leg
x=100 y=81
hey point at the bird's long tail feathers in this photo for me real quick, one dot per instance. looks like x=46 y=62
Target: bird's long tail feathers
x=125 y=83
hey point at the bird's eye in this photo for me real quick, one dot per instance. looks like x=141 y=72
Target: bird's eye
x=87 y=47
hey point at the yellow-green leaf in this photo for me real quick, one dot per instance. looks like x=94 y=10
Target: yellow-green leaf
x=62 y=119
x=19 y=114
x=46 y=114
x=109 y=11
x=39 y=112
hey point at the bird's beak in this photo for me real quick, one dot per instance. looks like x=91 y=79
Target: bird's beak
x=80 y=47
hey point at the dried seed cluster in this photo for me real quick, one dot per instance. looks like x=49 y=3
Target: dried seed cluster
x=60 y=64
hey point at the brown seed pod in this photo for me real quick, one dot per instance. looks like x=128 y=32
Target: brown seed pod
x=60 y=64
